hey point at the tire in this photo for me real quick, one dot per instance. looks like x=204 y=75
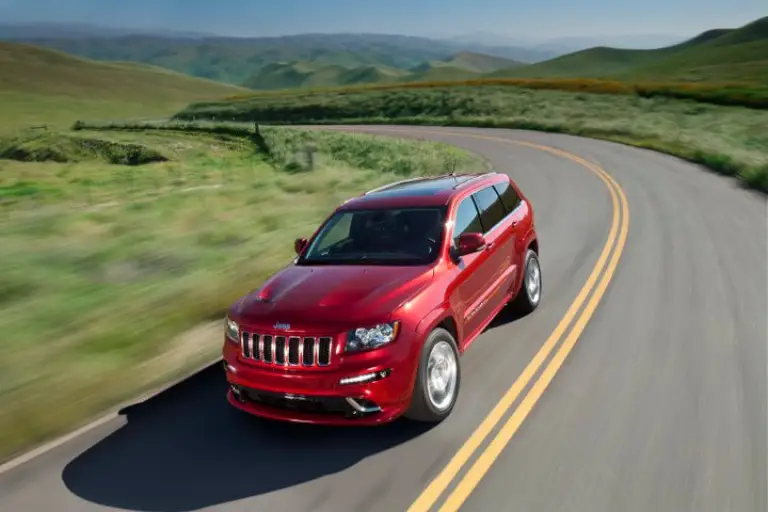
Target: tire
x=425 y=406
x=527 y=300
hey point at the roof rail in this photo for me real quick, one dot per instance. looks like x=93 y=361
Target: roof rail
x=422 y=178
x=480 y=175
x=388 y=185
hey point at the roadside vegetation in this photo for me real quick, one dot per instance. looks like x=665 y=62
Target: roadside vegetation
x=728 y=140
x=109 y=265
x=728 y=93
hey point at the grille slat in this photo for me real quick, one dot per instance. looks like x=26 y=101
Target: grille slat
x=245 y=344
x=294 y=344
x=324 y=352
x=308 y=353
x=279 y=350
x=267 y=357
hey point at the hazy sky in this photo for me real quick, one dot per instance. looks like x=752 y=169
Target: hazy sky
x=515 y=18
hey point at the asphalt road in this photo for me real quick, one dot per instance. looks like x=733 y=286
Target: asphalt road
x=659 y=406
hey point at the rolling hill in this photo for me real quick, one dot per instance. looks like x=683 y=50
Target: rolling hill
x=236 y=60
x=439 y=72
x=739 y=54
x=282 y=75
x=461 y=66
x=480 y=62
x=301 y=73
x=42 y=86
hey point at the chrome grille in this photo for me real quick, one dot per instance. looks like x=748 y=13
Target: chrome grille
x=286 y=350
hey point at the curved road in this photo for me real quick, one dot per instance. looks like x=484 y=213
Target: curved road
x=659 y=406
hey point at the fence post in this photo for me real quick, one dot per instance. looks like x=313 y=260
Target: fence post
x=309 y=151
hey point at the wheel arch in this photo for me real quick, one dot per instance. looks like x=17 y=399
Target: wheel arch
x=441 y=317
x=533 y=244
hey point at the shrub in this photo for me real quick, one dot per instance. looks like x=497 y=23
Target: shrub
x=734 y=94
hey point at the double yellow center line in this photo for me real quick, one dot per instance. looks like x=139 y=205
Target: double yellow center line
x=576 y=317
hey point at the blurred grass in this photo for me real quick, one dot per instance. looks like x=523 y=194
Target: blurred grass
x=57 y=147
x=106 y=267
x=729 y=140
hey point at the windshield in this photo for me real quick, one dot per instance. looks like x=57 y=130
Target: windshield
x=392 y=236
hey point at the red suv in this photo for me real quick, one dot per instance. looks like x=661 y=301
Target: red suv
x=368 y=322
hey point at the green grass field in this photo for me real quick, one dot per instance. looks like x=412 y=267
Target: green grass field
x=115 y=266
x=45 y=87
x=730 y=140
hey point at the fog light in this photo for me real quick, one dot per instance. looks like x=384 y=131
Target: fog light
x=366 y=377
x=237 y=392
x=362 y=406
x=228 y=367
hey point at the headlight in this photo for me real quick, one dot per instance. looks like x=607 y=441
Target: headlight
x=232 y=330
x=371 y=337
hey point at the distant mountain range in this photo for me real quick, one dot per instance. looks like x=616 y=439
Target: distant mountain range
x=235 y=60
x=25 y=31
x=302 y=73
x=564 y=45
x=323 y=60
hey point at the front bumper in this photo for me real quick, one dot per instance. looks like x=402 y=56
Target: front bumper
x=319 y=396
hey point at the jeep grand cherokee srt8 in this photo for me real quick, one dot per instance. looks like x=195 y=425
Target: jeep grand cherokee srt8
x=368 y=322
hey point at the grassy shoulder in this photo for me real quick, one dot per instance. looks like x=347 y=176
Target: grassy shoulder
x=111 y=265
x=728 y=140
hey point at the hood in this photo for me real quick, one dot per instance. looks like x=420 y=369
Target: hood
x=312 y=295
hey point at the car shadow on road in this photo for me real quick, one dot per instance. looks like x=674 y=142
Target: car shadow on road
x=505 y=317
x=187 y=449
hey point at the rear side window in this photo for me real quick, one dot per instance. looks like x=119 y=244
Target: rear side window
x=508 y=195
x=490 y=206
x=467 y=219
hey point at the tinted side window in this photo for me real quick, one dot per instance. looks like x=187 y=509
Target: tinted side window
x=467 y=219
x=490 y=206
x=508 y=195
